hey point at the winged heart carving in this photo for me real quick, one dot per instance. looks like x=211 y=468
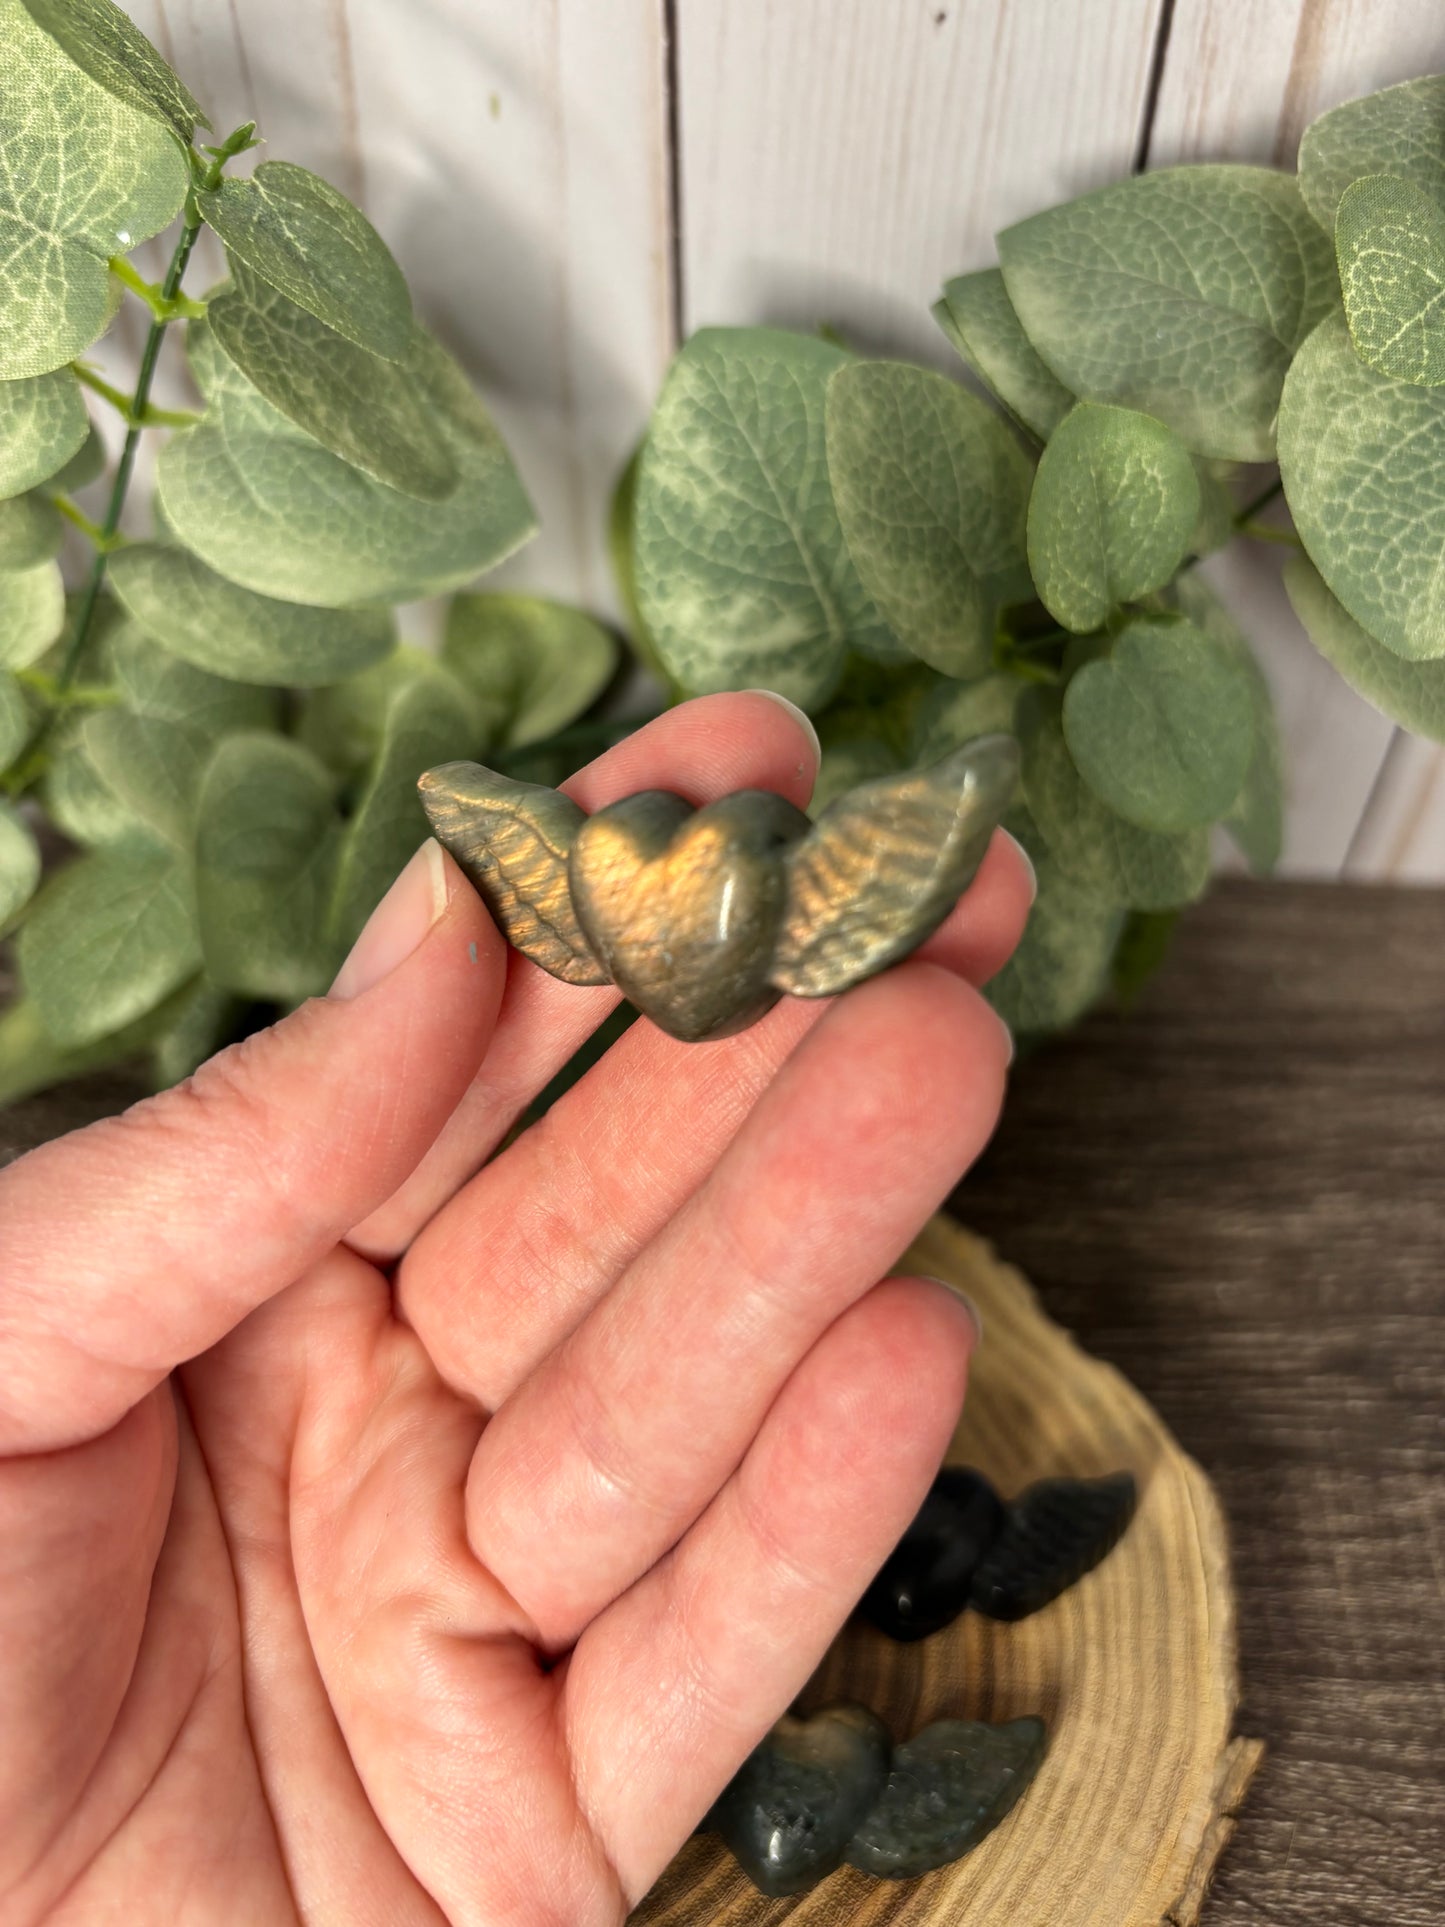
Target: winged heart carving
x=704 y=917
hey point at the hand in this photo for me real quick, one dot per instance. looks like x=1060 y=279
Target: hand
x=392 y=1535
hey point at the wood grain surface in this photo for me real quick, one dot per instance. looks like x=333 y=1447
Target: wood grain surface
x=1133 y=1670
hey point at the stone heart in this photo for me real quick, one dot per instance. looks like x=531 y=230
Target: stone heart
x=948 y=1787
x=683 y=905
x=1052 y=1534
x=791 y=1810
x=924 y=1583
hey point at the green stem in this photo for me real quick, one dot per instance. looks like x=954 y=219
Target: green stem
x=165 y=302
x=80 y=520
x=1262 y=500
x=1262 y=532
x=150 y=354
x=125 y=404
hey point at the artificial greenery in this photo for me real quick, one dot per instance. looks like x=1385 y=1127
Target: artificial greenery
x=918 y=565
x=217 y=732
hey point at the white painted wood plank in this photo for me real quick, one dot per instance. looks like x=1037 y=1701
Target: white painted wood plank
x=515 y=158
x=841 y=158
x=1242 y=80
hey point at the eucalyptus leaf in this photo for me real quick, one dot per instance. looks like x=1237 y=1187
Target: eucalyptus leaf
x=743 y=576
x=1256 y=819
x=1215 y=526
x=1061 y=965
x=1114 y=507
x=343 y=723
x=15 y=719
x=1390 y=244
x=1400 y=130
x=32 y=613
x=83 y=176
x=104 y=42
x=43 y=422
x=106 y=940
x=932 y=490
x=1362 y=457
x=264 y=504
x=368 y=410
x=956 y=712
x=82 y=804
x=1162 y=728
x=154 y=768
x=205 y=1020
x=1099 y=851
x=303 y=237
x=621 y=519
x=153 y=681
x=1182 y=293
x=30 y=531
x=979 y=319
x=19 y=864
x=218 y=626
x=428 y=721
x=534 y=666
x=31 y=1059
x=1410 y=693
x=845 y=764
x=267 y=841
x=85 y=466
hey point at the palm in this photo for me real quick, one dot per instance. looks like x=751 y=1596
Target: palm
x=457 y=1596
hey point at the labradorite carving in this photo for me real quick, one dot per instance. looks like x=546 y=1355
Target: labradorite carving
x=705 y=917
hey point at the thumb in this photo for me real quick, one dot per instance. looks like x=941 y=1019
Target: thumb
x=141 y=1241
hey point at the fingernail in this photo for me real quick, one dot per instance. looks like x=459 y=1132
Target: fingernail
x=964 y=1303
x=799 y=716
x=398 y=923
x=1027 y=861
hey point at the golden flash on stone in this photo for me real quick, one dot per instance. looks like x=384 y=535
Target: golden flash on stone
x=704 y=917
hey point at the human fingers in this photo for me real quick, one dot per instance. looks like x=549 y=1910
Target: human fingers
x=702 y=750
x=140 y=1241
x=669 y=1689
x=612 y=1447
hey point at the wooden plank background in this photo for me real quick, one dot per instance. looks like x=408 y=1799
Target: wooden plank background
x=571 y=183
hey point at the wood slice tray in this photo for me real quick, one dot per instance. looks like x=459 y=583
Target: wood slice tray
x=1133 y=1669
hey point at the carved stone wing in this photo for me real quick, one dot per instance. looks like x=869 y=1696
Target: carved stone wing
x=883 y=866
x=512 y=840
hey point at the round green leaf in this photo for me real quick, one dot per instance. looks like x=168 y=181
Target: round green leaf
x=15 y=719
x=621 y=517
x=32 y=613
x=86 y=465
x=1390 y=244
x=205 y=1020
x=369 y=411
x=264 y=504
x=42 y=424
x=19 y=864
x=1183 y=293
x=219 y=626
x=1113 y=860
x=1113 y=510
x=80 y=803
x=153 y=681
x=979 y=319
x=31 y=1060
x=1363 y=459
x=1400 y=130
x=1410 y=693
x=1062 y=962
x=429 y=720
x=305 y=238
x=153 y=768
x=267 y=839
x=103 y=41
x=342 y=723
x=534 y=666
x=955 y=712
x=30 y=531
x=932 y=490
x=83 y=176
x=107 y=939
x=1215 y=526
x=743 y=577
x=1162 y=728
x=1256 y=818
